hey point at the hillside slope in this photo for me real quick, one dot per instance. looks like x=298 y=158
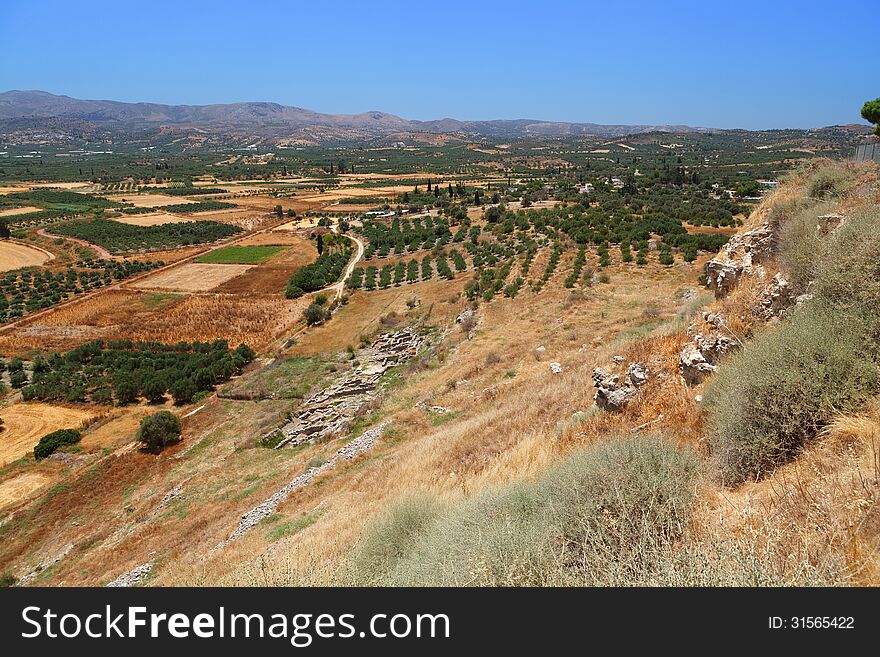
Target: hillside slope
x=484 y=459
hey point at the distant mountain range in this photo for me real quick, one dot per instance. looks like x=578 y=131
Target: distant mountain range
x=29 y=110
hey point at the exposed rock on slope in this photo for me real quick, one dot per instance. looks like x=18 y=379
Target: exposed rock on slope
x=741 y=255
x=613 y=392
x=330 y=410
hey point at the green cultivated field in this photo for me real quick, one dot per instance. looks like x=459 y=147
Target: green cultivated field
x=240 y=255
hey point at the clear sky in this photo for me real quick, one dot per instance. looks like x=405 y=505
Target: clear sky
x=747 y=64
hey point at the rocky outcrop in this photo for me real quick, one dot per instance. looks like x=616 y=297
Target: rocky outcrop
x=740 y=256
x=613 y=391
x=774 y=299
x=701 y=354
x=331 y=410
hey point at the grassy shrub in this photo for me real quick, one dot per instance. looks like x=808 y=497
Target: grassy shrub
x=51 y=442
x=771 y=398
x=800 y=244
x=159 y=430
x=829 y=180
x=848 y=276
x=603 y=516
x=391 y=538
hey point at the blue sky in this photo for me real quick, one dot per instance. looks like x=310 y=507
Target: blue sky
x=767 y=64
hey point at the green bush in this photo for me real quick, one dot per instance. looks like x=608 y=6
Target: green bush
x=772 y=397
x=159 y=430
x=315 y=314
x=607 y=515
x=53 y=441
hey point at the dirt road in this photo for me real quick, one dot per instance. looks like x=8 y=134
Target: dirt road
x=339 y=287
x=100 y=250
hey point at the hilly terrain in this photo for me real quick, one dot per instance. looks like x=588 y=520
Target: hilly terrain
x=40 y=109
x=489 y=380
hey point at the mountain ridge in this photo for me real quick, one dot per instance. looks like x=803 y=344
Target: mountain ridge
x=275 y=118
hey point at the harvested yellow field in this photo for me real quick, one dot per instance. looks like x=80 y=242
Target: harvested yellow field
x=11 y=189
x=26 y=423
x=18 y=488
x=14 y=255
x=13 y=211
x=154 y=200
x=191 y=277
x=152 y=219
x=127 y=314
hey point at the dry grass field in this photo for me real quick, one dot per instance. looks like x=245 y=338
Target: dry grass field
x=26 y=423
x=22 y=210
x=14 y=255
x=154 y=200
x=191 y=277
x=256 y=320
x=15 y=489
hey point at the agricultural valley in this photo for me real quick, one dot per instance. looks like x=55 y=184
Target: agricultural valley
x=386 y=352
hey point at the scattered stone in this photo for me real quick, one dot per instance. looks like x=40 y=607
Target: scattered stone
x=539 y=352
x=468 y=317
x=689 y=294
x=617 y=359
x=698 y=398
x=173 y=494
x=611 y=394
x=439 y=410
x=637 y=374
x=132 y=577
x=555 y=368
x=701 y=355
x=641 y=427
x=363 y=443
x=51 y=561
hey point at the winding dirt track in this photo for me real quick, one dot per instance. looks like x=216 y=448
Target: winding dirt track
x=339 y=287
x=100 y=250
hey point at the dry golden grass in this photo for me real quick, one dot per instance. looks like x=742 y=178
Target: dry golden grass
x=25 y=423
x=123 y=314
x=14 y=255
x=15 y=489
x=191 y=277
x=152 y=219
